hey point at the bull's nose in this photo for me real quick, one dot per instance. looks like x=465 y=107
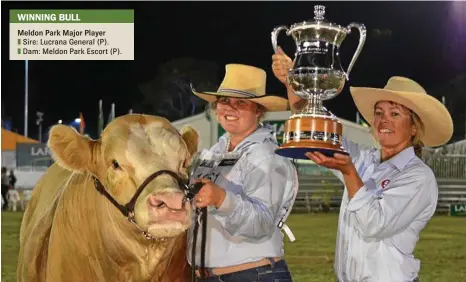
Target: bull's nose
x=173 y=201
x=176 y=215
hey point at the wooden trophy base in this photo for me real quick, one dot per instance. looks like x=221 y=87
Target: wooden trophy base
x=311 y=134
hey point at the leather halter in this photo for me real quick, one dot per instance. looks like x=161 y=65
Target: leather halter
x=128 y=209
x=189 y=190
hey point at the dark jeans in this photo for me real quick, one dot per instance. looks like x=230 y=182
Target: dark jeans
x=278 y=272
x=4 y=193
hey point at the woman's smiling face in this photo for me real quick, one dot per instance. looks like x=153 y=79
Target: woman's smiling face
x=237 y=116
x=393 y=126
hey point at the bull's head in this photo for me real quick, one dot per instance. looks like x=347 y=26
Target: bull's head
x=131 y=148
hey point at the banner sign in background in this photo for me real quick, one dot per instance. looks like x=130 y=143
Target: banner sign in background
x=30 y=154
x=71 y=35
x=458 y=209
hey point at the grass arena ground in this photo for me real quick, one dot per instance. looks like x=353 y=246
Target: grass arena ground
x=441 y=249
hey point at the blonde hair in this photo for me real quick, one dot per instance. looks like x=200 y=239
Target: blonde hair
x=416 y=140
x=261 y=110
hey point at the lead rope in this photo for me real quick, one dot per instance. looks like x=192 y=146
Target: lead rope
x=193 y=249
x=203 y=241
x=201 y=219
x=201 y=215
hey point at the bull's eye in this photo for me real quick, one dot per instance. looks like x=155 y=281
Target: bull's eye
x=115 y=164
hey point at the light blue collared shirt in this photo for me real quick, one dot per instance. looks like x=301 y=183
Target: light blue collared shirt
x=379 y=227
x=259 y=186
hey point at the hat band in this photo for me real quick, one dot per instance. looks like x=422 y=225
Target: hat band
x=235 y=91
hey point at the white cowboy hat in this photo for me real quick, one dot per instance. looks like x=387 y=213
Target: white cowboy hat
x=246 y=82
x=438 y=124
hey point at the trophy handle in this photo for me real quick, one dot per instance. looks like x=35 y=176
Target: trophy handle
x=362 y=40
x=275 y=33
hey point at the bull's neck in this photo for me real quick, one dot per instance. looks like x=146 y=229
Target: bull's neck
x=145 y=260
x=104 y=245
x=161 y=261
x=156 y=258
x=133 y=254
x=117 y=240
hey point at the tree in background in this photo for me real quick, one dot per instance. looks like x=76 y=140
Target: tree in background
x=169 y=93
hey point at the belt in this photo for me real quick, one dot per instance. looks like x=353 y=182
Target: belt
x=235 y=268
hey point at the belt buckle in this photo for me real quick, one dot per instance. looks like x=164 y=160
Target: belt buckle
x=207 y=273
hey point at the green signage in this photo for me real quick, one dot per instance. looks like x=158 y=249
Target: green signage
x=72 y=16
x=278 y=127
x=458 y=209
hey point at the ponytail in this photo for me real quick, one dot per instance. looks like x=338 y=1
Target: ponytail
x=418 y=149
x=416 y=142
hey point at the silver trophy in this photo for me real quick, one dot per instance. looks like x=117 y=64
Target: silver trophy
x=317 y=75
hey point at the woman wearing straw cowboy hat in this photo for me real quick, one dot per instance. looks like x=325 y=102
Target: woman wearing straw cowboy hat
x=247 y=199
x=390 y=194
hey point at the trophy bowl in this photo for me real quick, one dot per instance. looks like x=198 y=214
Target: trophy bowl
x=316 y=76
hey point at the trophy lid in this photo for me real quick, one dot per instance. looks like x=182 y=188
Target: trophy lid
x=319 y=22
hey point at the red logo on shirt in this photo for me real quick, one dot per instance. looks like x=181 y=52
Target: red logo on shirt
x=385 y=183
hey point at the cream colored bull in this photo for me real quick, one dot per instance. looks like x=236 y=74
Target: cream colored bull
x=70 y=232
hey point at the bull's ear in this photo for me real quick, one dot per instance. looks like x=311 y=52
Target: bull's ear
x=191 y=138
x=69 y=149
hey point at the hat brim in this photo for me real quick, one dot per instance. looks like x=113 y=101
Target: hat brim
x=438 y=124
x=271 y=103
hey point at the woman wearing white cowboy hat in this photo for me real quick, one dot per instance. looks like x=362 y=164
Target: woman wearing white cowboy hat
x=248 y=197
x=390 y=194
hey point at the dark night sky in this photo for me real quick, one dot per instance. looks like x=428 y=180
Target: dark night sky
x=424 y=45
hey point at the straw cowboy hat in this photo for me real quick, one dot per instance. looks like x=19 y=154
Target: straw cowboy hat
x=246 y=82
x=438 y=124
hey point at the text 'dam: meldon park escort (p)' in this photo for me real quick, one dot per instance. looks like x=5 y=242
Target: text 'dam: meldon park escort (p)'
x=81 y=35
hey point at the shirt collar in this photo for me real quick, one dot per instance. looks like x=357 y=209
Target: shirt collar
x=399 y=161
x=263 y=132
